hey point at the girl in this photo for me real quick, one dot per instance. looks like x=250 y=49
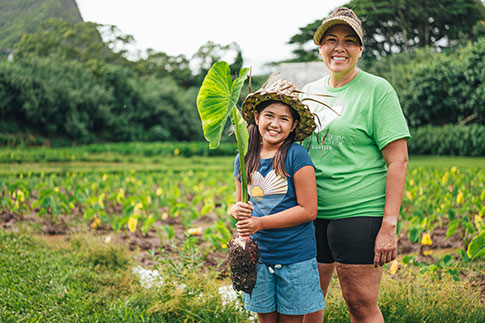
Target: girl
x=282 y=205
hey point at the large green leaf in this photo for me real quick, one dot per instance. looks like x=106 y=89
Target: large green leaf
x=476 y=248
x=217 y=96
x=241 y=130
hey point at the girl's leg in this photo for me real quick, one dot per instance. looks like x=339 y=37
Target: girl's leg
x=360 y=288
x=268 y=317
x=290 y=318
x=325 y=272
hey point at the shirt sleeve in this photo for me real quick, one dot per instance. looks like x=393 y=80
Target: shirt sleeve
x=236 y=168
x=299 y=158
x=388 y=122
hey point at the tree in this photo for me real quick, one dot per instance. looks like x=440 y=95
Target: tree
x=74 y=41
x=210 y=53
x=162 y=65
x=301 y=39
x=394 y=26
x=400 y=25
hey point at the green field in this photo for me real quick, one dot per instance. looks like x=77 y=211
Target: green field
x=173 y=201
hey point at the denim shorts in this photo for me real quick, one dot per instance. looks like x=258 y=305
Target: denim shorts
x=292 y=289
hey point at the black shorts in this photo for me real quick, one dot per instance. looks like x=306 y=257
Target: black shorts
x=347 y=241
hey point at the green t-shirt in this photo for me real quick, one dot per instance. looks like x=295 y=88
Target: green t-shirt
x=349 y=166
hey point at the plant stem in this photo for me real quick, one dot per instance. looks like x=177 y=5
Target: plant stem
x=242 y=166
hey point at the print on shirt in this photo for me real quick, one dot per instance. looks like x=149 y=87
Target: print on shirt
x=326 y=116
x=267 y=191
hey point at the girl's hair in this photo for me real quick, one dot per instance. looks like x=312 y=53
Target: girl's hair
x=254 y=147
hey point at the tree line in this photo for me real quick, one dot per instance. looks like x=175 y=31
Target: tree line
x=73 y=82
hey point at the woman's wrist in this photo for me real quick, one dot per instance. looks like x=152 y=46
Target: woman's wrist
x=389 y=223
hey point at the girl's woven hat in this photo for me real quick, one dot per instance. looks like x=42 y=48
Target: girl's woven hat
x=340 y=16
x=282 y=91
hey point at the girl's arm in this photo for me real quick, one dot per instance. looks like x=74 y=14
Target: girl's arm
x=396 y=158
x=304 y=211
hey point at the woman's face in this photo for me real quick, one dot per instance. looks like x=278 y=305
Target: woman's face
x=340 y=49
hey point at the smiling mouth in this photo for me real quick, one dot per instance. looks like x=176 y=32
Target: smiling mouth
x=273 y=132
x=339 y=59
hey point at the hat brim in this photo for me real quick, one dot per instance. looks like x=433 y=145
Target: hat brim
x=317 y=37
x=305 y=126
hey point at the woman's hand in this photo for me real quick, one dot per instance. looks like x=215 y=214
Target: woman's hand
x=249 y=226
x=241 y=211
x=385 y=248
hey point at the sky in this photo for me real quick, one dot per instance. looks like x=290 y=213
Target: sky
x=261 y=28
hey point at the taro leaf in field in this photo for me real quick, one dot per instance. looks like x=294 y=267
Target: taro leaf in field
x=476 y=248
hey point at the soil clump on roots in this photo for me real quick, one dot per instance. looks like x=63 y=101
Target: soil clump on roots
x=243 y=261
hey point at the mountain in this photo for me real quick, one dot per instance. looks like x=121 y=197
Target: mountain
x=18 y=17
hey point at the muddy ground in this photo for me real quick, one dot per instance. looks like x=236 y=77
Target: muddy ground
x=151 y=241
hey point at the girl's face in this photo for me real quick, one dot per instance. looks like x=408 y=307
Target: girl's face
x=340 y=49
x=275 y=123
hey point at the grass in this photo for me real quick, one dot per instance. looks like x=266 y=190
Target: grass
x=85 y=280
x=446 y=161
x=411 y=296
x=223 y=163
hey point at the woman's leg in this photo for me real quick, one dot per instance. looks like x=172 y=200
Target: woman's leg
x=360 y=288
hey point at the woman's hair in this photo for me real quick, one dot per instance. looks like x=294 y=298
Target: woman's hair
x=254 y=147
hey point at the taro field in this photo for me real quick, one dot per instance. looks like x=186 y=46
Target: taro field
x=156 y=199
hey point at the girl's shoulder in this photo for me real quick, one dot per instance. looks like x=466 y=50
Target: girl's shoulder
x=297 y=148
x=298 y=153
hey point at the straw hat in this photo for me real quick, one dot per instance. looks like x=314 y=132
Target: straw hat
x=282 y=91
x=340 y=16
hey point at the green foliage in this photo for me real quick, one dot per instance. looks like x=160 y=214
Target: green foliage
x=217 y=97
x=41 y=284
x=190 y=291
x=68 y=84
x=305 y=35
x=448 y=140
x=24 y=16
x=394 y=26
x=64 y=98
x=90 y=281
x=74 y=41
x=438 y=88
x=216 y=101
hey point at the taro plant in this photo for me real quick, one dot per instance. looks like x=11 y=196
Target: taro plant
x=216 y=102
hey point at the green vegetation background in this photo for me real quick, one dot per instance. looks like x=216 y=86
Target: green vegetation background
x=24 y=16
x=69 y=82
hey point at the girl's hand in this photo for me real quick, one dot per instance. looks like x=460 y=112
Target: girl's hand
x=249 y=226
x=241 y=211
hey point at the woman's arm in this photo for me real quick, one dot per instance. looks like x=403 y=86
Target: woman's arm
x=396 y=157
x=304 y=211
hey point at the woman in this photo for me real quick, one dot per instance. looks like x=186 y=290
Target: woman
x=360 y=155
